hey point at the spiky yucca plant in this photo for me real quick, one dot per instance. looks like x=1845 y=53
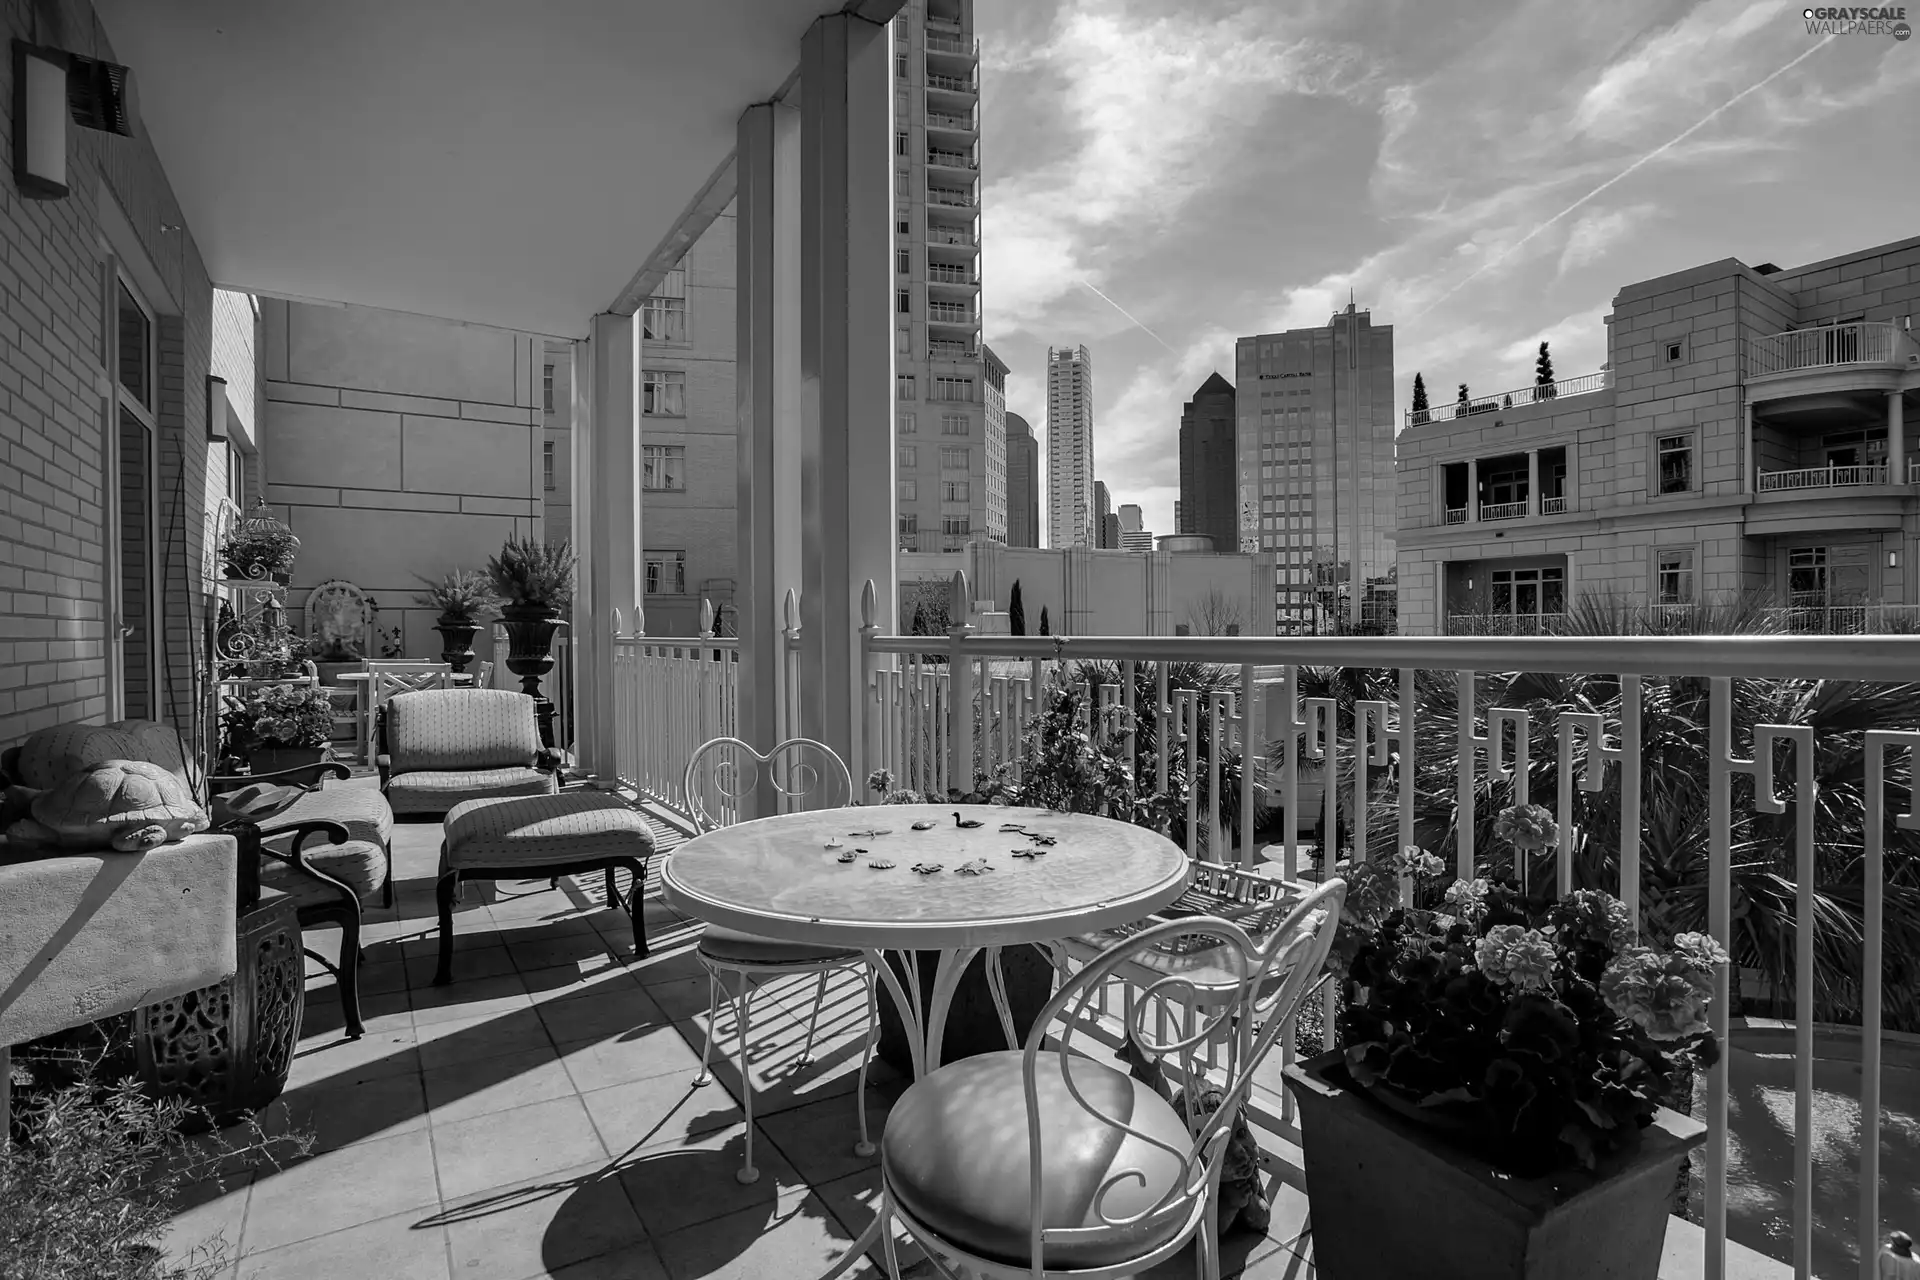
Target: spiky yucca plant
x=533 y=575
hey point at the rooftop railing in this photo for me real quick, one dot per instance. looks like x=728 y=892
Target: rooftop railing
x=1829 y=346
x=1512 y=399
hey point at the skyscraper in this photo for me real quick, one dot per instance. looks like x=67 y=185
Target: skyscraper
x=995 y=387
x=946 y=451
x=1315 y=447
x=1070 y=521
x=1102 y=516
x=1023 y=484
x=1206 y=466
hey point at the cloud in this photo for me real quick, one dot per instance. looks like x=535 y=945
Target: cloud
x=1686 y=64
x=1594 y=234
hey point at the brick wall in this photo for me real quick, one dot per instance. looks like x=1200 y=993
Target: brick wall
x=54 y=661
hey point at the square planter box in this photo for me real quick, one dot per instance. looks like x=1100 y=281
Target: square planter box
x=1387 y=1194
x=85 y=936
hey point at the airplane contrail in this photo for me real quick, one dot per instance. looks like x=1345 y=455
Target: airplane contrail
x=1129 y=315
x=1675 y=141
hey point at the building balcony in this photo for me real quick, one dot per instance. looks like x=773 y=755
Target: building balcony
x=963 y=351
x=1817 y=617
x=953 y=122
x=951 y=198
x=953 y=313
x=949 y=47
x=937 y=274
x=1822 y=478
x=946 y=237
x=1553 y=506
x=1503 y=510
x=1515 y=399
x=1456 y=515
x=939 y=84
x=951 y=159
x=1834 y=346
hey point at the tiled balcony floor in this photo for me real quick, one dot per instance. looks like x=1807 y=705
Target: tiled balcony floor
x=538 y=1117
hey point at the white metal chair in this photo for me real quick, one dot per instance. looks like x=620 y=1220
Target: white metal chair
x=1096 y=1176
x=386 y=678
x=800 y=770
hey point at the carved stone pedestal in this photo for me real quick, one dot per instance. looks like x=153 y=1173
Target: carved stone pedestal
x=229 y=1047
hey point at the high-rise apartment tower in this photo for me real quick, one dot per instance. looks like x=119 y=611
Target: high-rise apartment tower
x=1106 y=529
x=1023 y=484
x=1070 y=516
x=1316 y=479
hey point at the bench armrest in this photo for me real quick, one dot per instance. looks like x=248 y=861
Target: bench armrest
x=293 y=777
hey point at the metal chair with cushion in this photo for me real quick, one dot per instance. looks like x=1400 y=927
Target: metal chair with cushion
x=440 y=747
x=1096 y=1175
x=804 y=774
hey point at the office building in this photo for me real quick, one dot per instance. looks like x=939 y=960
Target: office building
x=949 y=486
x=1316 y=464
x=1070 y=515
x=1023 y=484
x=1207 y=461
x=1130 y=519
x=996 y=419
x=1746 y=437
x=1105 y=524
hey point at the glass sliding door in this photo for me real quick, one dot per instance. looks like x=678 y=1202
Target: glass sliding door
x=136 y=628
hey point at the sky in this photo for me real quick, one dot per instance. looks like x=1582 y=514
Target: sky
x=1482 y=175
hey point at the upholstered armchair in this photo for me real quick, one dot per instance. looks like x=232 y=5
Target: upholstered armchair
x=439 y=747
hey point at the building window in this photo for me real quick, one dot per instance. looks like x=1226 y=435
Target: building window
x=907 y=490
x=1807 y=577
x=546 y=460
x=906 y=457
x=663 y=466
x=546 y=387
x=663 y=393
x=1676 y=351
x=901 y=179
x=666 y=573
x=956 y=491
x=956 y=526
x=900 y=68
x=136 y=349
x=903 y=301
x=903 y=341
x=1676 y=463
x=900 y=143
x=1528 y=595
x=903 y=387
x=903 y=262
x=955 y=458
x=909 y=524
x=903 y=424
x=664 y=320
x=953 y=389
x=904 y=227
x=955 y=424
x=1673 y=577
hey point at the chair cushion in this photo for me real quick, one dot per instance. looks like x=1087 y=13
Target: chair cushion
x=456 y=729
x=362 y=810
x=730 y=946
x=358 y=864
x=536 y=831
x=431 y=791
x=955 y=1154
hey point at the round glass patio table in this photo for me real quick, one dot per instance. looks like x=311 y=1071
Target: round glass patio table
x=821 y=877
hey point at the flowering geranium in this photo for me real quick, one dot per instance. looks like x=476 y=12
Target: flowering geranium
x=1529 y=828
x=281 y=715
x=1468 y=898
x=1511 y=955
x=1664 y=994
x=1417 y=864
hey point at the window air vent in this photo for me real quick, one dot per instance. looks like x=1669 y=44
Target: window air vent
x=100 y=95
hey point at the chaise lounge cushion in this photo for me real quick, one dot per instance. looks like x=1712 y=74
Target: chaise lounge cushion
x=429 y=791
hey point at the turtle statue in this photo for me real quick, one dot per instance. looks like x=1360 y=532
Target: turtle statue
x=127 y=806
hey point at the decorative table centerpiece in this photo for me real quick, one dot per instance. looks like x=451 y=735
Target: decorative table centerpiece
x=280 y=727
x=535 y=582
x=1496 y=1110
x=461 y=597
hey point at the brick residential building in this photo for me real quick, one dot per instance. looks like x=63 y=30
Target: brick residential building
x=1747 y=435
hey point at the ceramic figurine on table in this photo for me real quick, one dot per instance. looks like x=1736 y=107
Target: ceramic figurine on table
x=923 y=825
x=966 y=824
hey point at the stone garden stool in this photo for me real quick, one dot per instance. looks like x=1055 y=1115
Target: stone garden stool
x=541 y=838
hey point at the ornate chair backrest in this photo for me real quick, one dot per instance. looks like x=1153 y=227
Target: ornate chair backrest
x=804 y=775
x=1166 y=1021
x=390 y=678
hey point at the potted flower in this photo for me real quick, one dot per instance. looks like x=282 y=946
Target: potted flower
x=279 y=727
x=259 y=548
x=460 y=597
x=1496 y=1108
x=534 y=581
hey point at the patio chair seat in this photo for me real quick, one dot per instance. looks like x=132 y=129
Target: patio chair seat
x=955 y=1154
x=362 y=810
x=358 y=864
x=731 y=947
x=440 y=791
x=543 y=830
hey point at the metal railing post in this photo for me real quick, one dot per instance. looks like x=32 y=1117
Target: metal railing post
x=960 y=765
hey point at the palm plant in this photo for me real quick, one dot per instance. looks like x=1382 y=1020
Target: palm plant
x=533 y=575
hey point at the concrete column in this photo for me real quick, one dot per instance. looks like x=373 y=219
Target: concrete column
x=1749 y=453
x=1473 y=491
x=846 y=366
x=1533 y=482
x=1896 y=438
x=592 y=714
x=614 y=483
x=767 y=387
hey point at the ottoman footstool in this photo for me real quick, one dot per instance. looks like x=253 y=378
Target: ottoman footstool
x=542 y=838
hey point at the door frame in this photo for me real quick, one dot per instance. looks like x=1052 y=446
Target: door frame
x=115 y=399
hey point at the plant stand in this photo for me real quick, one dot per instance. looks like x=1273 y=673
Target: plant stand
x=529 y=656
x=228 y=1047
x=1387 y=1191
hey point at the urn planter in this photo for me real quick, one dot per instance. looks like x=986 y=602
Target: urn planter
x=973 y=1024
x=456 y=640
x=530 y=633
x=1383 y=1186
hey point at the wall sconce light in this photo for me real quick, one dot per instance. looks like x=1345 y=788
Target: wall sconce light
x=1469 y=584
x=39 y=121
x=1893 y=559
x=216 y=409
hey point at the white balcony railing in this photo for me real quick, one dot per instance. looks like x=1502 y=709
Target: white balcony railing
x=948 y=196
x=940 y=235
x=1828 y=346
x=1512 y=399
x=1456 y=515
x=942 y=712
x=951 y=159
x=940 y=42
x=951 y=313
x=952 y=351
x=1822 y=477
x=1553 y=506
x=1503 y=510
x=950 y=275
x=948 y=120
x=952 y=84
x=1819 y=618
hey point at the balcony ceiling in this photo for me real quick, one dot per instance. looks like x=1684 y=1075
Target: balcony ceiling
x=493 y=161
